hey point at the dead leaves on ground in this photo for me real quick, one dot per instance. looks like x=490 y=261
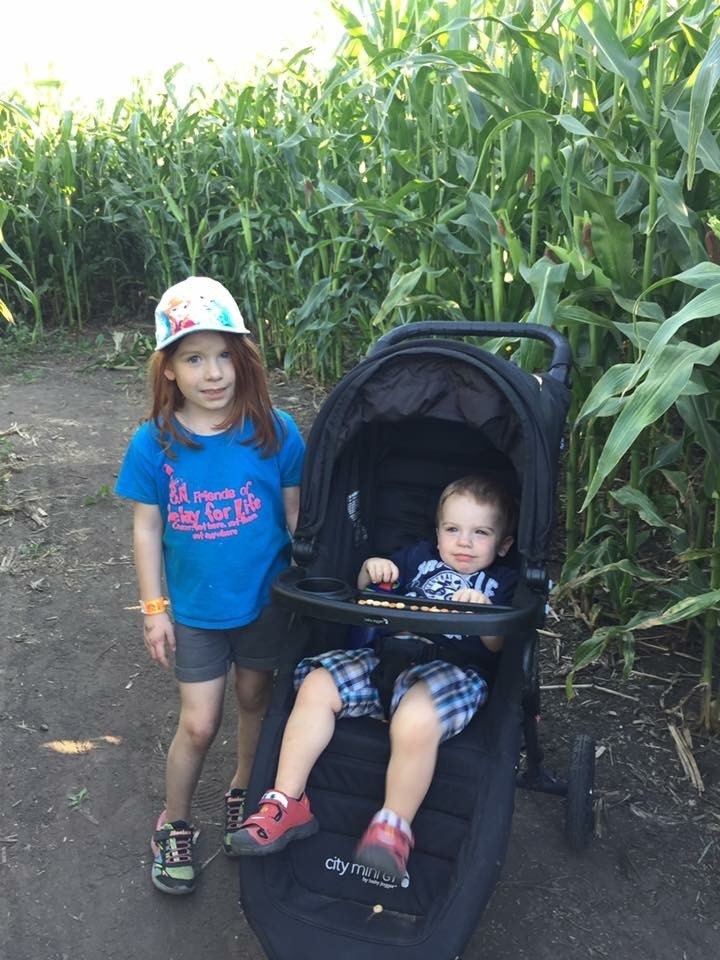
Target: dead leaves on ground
x=682 y=739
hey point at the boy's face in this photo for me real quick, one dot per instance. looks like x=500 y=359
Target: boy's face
x=470 y=535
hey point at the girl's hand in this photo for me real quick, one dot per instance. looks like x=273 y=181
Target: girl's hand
x=466 y=595
x=378 y=570
x=159 y=637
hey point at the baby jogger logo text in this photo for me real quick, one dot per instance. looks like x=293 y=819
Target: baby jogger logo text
x=366 y=874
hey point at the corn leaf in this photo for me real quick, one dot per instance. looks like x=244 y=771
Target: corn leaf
x=685 y=609
x=401 y=286
x=706 y=146
x=628 y=496
x=592 y=23
x=702 y=275
x=703 y=85
x=614 y=381
x=649 y=401
x=705 y=304
x=5 y=312
x=600 y=573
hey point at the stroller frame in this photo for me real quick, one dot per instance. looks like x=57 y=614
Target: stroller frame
x=417 y=385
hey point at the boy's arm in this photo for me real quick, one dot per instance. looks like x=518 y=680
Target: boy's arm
x=377 y=570
x=467 y=595
x=158 y=630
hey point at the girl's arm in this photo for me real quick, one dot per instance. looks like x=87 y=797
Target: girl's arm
x=291 y=500
x=158 y=630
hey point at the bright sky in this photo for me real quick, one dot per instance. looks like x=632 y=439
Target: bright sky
x=96 y=48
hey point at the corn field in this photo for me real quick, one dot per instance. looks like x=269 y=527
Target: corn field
x=552 y=162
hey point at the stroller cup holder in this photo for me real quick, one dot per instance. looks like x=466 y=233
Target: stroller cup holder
x=324 y=587
x=334 y=600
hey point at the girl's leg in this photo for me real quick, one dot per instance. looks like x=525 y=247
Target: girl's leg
x=414 y=739
x=308 y=731
x=253 y=689
x=201 y=707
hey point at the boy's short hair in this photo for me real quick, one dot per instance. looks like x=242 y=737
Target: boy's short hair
x=483 y=490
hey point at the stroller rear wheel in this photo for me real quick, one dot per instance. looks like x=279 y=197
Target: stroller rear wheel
x=580 y=783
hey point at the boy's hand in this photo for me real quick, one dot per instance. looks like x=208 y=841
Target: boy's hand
x=159 y=637
x=466 y=595
x=378 y=570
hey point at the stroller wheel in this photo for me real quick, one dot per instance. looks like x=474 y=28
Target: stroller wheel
x=580 y=783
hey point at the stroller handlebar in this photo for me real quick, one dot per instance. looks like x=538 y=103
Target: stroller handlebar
x=560 y=363
x=334 y=600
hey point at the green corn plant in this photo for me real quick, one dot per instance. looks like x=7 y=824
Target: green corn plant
x=671 y=371
x=12 y=282
x=553 y=162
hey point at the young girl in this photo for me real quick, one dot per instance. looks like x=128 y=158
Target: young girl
x=214 y=478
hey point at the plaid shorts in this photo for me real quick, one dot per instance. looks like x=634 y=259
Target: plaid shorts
x=457 y=692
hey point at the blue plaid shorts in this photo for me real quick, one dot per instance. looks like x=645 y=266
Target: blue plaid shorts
x=457 y=692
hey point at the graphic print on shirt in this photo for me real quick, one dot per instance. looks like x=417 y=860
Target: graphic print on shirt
x=209 y=514
x=436 y=581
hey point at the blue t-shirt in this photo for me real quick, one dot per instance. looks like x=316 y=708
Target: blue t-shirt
x=224 y=536
x=424 y=574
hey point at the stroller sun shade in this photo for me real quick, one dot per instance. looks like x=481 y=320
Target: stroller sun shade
x=512 y=419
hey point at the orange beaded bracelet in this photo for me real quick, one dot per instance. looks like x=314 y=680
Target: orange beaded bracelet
x=158 y=605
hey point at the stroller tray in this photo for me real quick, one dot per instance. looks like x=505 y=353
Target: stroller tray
x=332 y=599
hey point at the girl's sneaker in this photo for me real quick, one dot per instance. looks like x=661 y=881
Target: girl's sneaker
x=278 y=820
x=234 y=815
x=386 y=848
x=173 y=847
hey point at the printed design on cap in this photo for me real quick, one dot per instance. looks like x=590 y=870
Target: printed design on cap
x=195 y=304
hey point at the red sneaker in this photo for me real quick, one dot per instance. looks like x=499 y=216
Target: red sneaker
x=278 y=820
x=386 y=848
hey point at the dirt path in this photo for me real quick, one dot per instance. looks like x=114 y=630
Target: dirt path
x=85 y=720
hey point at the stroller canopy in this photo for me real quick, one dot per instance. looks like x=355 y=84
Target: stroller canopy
x=520 y=415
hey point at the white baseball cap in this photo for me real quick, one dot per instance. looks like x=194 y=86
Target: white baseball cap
x=194 y=304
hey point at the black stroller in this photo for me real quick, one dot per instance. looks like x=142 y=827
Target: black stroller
x=425 y=407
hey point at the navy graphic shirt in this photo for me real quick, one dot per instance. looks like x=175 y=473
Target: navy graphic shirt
x=424 y=574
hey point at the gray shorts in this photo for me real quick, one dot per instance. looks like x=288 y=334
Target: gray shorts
x=263 y=645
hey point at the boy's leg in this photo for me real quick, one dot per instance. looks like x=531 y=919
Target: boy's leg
x=415 y=733
x=433 y=701
x=309 y=729
x=200 y=714
x=284 y=813
x=414 y=739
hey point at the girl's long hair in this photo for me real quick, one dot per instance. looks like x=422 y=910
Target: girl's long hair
x=251 y=402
